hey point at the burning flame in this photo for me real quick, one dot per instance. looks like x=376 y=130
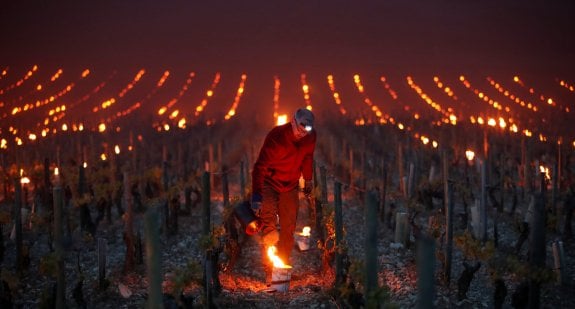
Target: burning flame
x=545 y=170
x=57 y=175
x=282 y=119
x=470 y=155
x=306 y=231
x=278 y=263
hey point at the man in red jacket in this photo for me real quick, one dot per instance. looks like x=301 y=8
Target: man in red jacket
x=287 y=154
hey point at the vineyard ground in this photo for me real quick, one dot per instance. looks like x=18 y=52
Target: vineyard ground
x=244 y=285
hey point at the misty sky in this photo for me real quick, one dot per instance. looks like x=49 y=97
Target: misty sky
x=275 y=35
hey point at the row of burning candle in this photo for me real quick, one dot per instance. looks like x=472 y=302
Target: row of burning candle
x=306 y=91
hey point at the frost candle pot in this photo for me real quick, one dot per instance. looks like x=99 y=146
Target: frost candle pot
x=281 y=272
x=302 y=242
x=281 y=277
x=303 y=239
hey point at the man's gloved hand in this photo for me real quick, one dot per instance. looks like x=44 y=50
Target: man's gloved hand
x=308 y=188
x=256 y=204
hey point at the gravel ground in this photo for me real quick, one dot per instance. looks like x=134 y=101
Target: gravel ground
x=245 y=286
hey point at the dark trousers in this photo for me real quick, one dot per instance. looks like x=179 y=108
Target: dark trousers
x=285 y=205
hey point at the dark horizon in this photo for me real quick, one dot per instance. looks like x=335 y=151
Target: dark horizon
x=396 y=39
x=293 y=36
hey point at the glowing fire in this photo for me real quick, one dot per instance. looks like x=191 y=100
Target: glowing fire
x=57 y=175
x=282 y=119
x=306 y=231
x=278 y=263
x=545 y=170
x=470 y=155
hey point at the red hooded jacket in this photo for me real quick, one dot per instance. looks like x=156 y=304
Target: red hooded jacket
x=283 y=159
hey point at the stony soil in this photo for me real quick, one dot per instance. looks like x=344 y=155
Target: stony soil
x=244 y=285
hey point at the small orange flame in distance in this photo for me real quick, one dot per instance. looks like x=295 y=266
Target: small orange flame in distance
x=545 y=170
x=306 y=231
x=278 y=263
x=282 y=119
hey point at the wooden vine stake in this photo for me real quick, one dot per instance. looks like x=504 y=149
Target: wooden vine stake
x=313 y=198
x=242 y=179
x=448 y=203
x=559 y=260
x=59 y=250
x=6 y=185
x=425 y=272
x=537 y=250
x=208 y=279
x=410 y=180
x=332 y=150
x=102 y=249
x=364 y=167
x=206 y=204
x=211 y=163
x=402 y=181
x=371 y=270
x=128 y=226
x=47 y=184
x=554 y=187
x=18 y=224
x=166 y=186
x=483 y=201
x=134 y=156
x=338 y=222
x=208 y=266
x=153 y=261
x=383 y=192
x=319 y=226
x=351 y=179
x=559 y=165
x=82 y=184
x=476 y=219
x=225 y=186
x=401 y=228
x=527 y=171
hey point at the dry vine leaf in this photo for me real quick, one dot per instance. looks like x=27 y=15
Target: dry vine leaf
x=124 y=290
